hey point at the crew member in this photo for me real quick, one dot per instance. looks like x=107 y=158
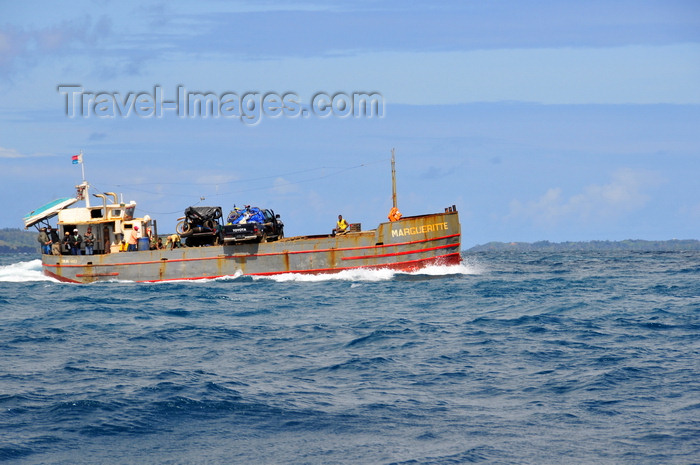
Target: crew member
x=89 y=238
x=341 y=226
x=45 y=241
x=133 y=240
x=75 y=240
x=173 y=241
x=66 y=242
x=105 y=235
x=55 y=240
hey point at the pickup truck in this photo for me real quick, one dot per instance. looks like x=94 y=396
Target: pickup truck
x=252 y=225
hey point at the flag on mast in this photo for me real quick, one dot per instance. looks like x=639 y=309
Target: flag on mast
x=77 y=158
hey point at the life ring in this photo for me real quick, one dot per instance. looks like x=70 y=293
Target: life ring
x=394 y=214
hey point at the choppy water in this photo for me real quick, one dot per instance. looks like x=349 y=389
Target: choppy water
x=510 y=358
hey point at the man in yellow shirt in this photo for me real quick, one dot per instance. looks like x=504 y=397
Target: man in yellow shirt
x=341 y=226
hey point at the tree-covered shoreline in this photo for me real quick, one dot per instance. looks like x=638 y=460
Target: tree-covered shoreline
x=638 y=245
x=15 y=240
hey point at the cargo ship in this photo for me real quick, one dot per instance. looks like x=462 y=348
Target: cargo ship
x=402 y=243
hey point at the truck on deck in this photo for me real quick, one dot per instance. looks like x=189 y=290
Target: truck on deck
x=252 y=224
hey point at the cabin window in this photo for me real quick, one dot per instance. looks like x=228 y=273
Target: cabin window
x=96 y=213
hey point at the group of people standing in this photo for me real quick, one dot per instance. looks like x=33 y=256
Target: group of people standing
x=51 y=244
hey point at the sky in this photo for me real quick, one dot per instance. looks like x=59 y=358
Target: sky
x=540 y=120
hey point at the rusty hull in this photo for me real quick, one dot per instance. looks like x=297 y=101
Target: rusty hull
x=408 y=244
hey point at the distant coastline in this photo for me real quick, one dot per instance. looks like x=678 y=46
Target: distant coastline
x=15 y=240
x=635 y=245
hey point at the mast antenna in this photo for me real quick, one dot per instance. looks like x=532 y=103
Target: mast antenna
x=84 y=187
x=393 y=177
x=82 y=164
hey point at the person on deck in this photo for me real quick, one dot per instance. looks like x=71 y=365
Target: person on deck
x=173 y=241
x=45 y=241
x=133 y=240
x=55 y=240
x=75 y=240
x=89 y=239
x=341 y=226
x=107 y=244
x=66 y=242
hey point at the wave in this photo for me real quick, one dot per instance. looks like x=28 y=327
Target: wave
x=373 y=274
x=29 y=271
x=22 y=272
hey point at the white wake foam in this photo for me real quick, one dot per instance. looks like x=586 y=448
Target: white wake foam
x=367 y=274
x=21 y=272
x=31 y=271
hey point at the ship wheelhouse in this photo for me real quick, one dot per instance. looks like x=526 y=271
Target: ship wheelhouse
x=111 y=222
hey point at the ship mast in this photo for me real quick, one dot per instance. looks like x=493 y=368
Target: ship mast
x=393 y=178
x=84 y=187
x=82 y=165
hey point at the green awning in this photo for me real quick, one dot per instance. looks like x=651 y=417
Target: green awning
x=47 y=211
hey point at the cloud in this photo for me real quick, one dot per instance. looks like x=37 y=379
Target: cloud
x=438 y=172
x=625 y=193
x=96 y=136
x=25 y=46
x=282 y=186
x=391 y=26
x=13 y=153
x=12 y=45
x=10 y=153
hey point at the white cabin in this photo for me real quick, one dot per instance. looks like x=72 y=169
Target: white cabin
x=111 y=223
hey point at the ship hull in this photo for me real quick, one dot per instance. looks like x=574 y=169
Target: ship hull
x=409 y=244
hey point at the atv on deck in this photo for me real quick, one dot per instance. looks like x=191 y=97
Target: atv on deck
x=201 y=226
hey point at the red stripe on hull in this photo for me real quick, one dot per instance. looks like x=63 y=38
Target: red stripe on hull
x=410 y=265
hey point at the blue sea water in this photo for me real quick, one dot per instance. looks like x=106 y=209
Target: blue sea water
x=529 y=358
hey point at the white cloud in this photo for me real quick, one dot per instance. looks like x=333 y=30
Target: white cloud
x=13 y=153
x=77 y=36
x=625 y=193
x=283 y=187
x=10 y=153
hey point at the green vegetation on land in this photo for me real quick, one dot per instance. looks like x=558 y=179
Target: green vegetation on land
x=14 y=240
x=637 y=245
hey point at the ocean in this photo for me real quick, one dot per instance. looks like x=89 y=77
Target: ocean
x=527 y=358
